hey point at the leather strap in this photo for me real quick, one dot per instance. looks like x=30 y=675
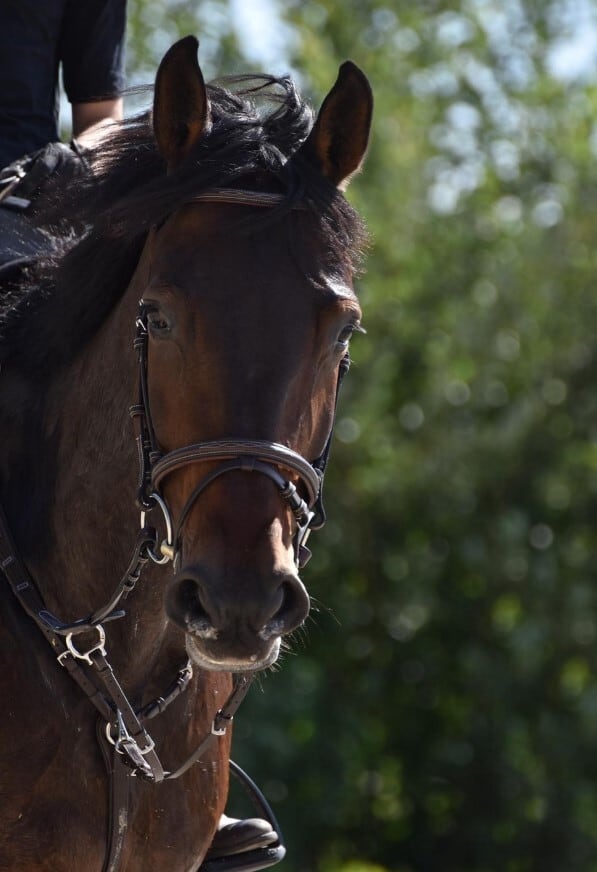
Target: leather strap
x=239 y=197
x=129 y=735
x=228 y=449
x=118 y=799
x=220 y=724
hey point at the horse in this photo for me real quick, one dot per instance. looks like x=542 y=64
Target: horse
x=200 y=281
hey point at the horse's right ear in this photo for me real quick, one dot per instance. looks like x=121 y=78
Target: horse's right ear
x=181 y=111
x=338 y=141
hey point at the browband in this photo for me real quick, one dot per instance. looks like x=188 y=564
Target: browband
x=241 y=197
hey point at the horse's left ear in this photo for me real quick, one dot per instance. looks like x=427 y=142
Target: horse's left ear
x=181 y=111
x=338 y=140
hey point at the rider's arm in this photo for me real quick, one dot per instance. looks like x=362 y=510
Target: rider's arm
x=92 y=55
x=94 y=115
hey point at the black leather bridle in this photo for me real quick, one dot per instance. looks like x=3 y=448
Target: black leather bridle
x=259 y=456
x=80 y=646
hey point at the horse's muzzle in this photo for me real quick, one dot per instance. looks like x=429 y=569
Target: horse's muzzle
x=235 y=626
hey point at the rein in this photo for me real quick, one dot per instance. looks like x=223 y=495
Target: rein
x=127 y=746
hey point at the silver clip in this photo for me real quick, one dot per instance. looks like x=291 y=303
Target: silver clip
x=167 y=546
x=126 y=744
x=221 y=731
x=85 y=655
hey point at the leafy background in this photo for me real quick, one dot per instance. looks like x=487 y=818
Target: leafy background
x=441 y=712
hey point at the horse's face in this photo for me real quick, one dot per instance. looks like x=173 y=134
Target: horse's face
x=241 y=345
x=247 y=328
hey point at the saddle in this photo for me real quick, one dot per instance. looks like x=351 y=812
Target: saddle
x=24 y=179
x=21 y=183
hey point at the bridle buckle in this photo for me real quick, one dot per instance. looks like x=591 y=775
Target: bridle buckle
x=85 y=655
x=167 y=546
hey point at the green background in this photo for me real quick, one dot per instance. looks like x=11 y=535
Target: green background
x=440 y=711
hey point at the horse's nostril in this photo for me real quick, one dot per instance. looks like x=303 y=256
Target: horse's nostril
x=293 y=609
x=207 y=613
x=184 y=606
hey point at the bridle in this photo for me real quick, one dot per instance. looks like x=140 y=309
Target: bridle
x=256 y=455
x=127 y=746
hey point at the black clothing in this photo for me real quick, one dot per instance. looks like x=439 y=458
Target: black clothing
x=85 y=37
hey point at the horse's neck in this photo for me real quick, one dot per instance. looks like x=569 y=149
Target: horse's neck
x=70 y=483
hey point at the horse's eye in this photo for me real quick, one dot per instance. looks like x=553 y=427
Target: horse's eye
x=346 y=333
x=157 y=324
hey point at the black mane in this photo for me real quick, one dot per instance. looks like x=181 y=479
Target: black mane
x=100 y=224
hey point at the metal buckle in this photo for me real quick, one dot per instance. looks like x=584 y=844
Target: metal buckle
x=85 y=655
x=9 y=183
x=302 y=554
x=220 y=731
x=167 y=545
x=215 y=731
x=127 y=745
x=125 y=739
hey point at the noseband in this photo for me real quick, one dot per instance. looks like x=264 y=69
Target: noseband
x=254 y=455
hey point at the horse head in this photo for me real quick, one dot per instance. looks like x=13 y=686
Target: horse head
x=246 y=315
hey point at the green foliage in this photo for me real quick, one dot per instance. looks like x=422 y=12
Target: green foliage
x=153 y=25
x=361 y=867
x=441 y=711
